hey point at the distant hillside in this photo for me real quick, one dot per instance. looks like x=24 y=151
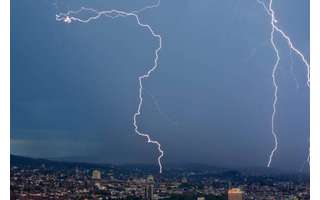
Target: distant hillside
x=198 y=169
x=21 y=161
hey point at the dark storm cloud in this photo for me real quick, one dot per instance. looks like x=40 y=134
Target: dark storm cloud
x=74 y=87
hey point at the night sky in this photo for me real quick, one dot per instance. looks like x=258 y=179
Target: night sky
x=74 y=87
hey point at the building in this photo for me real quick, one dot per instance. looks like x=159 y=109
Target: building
x=148 y=194
x=235 y=194
x=184 y=180
x=110 y=175
x=96 y=174
x=150 y=179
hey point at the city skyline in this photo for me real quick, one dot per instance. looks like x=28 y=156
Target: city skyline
x=32 y=178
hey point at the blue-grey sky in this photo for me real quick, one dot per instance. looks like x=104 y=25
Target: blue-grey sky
x=74 y=87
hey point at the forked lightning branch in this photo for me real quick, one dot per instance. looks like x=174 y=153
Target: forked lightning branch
x=71 y=16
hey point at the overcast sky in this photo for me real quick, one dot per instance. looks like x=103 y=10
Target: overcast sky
x=74 y=87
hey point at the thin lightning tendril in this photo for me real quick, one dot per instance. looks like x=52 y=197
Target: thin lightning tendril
x=70 y=17
x=165 y=115
x=292 y=71
x=292 y=47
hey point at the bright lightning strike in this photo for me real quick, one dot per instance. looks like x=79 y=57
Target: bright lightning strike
x=70 y=16
x=292 y=47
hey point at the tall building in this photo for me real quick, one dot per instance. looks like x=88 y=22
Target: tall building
x=235 y=194
x=96 y=174
x=148 y=195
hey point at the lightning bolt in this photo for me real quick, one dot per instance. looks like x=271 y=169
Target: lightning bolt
x=70 y=17
x=292 y=47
